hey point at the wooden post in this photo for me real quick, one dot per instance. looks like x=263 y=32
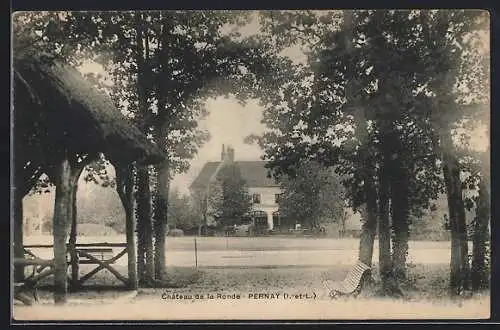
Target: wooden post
x=18 y=234
x=76 y=171
x=60 y=227
x=125 y=184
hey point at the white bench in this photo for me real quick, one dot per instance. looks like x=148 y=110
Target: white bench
x=352 y=283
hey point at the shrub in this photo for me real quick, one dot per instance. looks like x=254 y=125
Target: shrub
x=175 y=232
x=94 y=229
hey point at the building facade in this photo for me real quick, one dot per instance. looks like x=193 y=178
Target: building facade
x=263 y=189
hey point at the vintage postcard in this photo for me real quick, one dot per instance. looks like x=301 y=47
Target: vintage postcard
x=250 y=165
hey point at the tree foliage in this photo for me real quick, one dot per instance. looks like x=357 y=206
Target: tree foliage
x=181 y=212
x=383 y=94
x=234 y=202
x=313 y=196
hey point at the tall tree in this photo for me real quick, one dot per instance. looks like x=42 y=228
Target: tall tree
x=235 y=200
x=454 y=76
x=195 y=60
x=312 y=196
x=481 y=241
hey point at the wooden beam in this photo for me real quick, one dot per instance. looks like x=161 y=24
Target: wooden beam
x=103 y=244
x=125 y=189
x=61 y=222
x=106 y=264
x=34 y=261
x=18 y=235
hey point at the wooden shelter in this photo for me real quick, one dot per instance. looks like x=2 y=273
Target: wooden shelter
x=61 y=124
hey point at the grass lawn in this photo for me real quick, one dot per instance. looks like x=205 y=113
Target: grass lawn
x=426 y=297
x=425 y=293
x=426 y=282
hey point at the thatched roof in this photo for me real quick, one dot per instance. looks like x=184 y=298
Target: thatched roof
x=72 y=113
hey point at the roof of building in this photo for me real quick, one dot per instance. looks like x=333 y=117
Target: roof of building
x=74 y=112
x=253 y=172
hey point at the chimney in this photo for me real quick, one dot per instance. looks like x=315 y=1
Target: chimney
x=230 y=153
x=222 y=154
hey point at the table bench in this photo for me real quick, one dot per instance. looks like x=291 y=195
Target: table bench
x=100 y=253
x=101 y=256
x=41 y=269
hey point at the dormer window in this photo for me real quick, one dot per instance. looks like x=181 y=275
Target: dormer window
x=256 y=198
x=277 y=198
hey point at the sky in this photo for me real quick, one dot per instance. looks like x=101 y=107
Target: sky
x=228 y=123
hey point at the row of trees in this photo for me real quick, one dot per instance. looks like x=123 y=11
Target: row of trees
x=381 y=98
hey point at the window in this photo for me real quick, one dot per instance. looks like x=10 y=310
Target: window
x=277 y=198
x=256 y=198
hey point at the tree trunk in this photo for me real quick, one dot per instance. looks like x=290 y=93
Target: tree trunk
x=130 y=228
x=145 y=261
x=162 y=132
x=125 y=187
x=369 y=227
x=72 y=211
x=72 y=237
x=400 y=220
x=343 y=220
x=384 y=233
x=479 y=271
x=160 y=233
x=18 y=233
x=459 y=264
x=145 y=255
x=161 y=212
x=60 y=229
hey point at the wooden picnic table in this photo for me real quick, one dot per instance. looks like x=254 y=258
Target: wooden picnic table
x=45 y=268
x=100 y=254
